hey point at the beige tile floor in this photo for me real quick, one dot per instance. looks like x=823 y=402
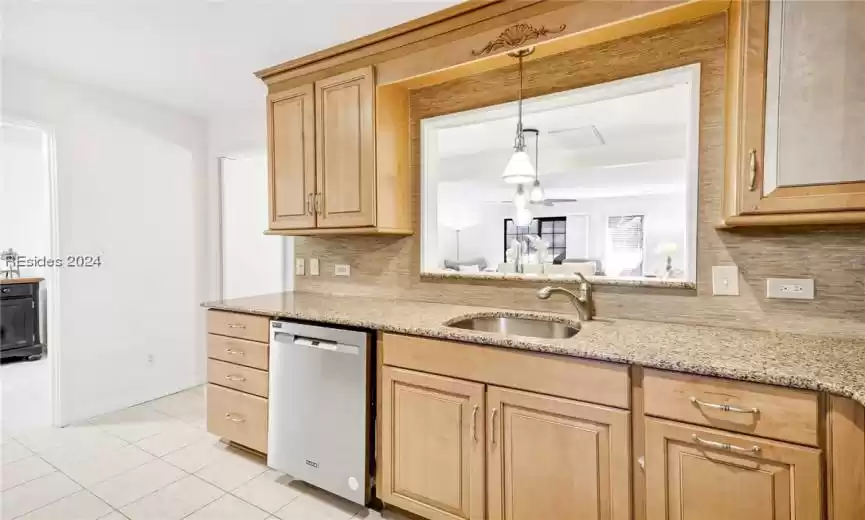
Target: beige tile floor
x=154 y=461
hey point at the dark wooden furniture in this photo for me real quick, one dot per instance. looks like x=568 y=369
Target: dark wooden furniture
x=20 y=334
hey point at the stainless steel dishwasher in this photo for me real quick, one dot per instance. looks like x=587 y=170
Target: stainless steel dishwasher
x=319 y=409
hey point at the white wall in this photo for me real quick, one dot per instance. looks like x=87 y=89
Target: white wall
x=24 y=210
x=130 y=178
x=242 y=135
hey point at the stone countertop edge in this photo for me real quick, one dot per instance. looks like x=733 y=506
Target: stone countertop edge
x=764 y=375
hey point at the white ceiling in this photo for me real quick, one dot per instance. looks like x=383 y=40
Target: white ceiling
x=196 y=55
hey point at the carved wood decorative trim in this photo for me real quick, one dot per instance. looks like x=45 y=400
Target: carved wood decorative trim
x=516 y=35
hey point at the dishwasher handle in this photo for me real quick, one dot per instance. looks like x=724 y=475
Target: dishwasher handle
x=322 y=344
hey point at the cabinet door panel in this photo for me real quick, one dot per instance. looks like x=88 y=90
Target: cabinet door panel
x=345 y=147
x=432 y=445
x=291 y=159
x=698 y=473
x=556 y=458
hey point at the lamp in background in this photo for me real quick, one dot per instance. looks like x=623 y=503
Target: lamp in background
x=519 y=169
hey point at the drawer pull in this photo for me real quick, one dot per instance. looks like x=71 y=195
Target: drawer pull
x=235 y=352
x=724 y=407
x=724 y=445
x=232 y=377
x=474 y=423
x=493 y=428
x=234 y=417
x=236 y=326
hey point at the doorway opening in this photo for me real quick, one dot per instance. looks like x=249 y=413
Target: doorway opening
x=29 y=279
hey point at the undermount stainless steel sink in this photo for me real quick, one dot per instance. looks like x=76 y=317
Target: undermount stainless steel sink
x=517 y=326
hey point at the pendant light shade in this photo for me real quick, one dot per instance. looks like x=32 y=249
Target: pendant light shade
x=536 y=196
x=519 y=169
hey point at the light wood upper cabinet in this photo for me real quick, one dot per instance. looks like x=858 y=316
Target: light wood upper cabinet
x=694 y=472
x=345 y=146
x=432 y=445
x=338 y=162
x=291 y=161
x=556 y=458
x=796 y=113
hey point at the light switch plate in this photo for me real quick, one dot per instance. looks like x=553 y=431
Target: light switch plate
x=790 y=288
x=725 y=280
x=313 y=266
x=342 y=270
x=299 y=266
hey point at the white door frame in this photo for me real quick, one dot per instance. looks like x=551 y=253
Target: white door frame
x=52 y=304
x=220 y=260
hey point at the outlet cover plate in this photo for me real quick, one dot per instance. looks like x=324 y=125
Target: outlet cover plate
x=313 y=266
x=299 y=266
x=725 y=280
x=790 y=288
x=342 y=270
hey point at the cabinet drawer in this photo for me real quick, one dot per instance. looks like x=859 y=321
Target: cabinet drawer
x=564 y=376
x=238 y=417
x=245 y=379
x=764 y=410
x=239 y=351
x=244 y=326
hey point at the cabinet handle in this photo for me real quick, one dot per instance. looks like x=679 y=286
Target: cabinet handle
x=752 y=169
x=235 y=352
x=474 y=430
x=232 y=377
x=309 y=203
x=493 y=428
x=724 y=445
x=724 y=407
x=318 y=203
x=236 y=326
x=234 y=417
x=642 y=462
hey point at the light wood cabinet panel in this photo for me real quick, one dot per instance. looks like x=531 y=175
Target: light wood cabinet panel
x=795 y=105
x=238 y=377
x=698 y=473
x=237 y=325
x=432 y=445
x=345 y=150
x=556 y=458
x=756 y=409
x=238 y=351
x=845 y=454
x=291 y=162
x=238 y=417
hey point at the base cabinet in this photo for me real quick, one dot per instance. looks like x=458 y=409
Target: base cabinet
x=706 y=474
x=556 y=458
x=433 y=448
x=454 y=449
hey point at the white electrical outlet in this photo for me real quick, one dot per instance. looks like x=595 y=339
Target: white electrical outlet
x=725 y=280
x=299 y=266
x=313 y=266
x=790 y=288
x=342 y=270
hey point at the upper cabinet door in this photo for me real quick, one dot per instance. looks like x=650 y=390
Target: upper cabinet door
x=556 y=458
x=694 y=472
x=291 y=161
x=345 y=118
x=432 y=447
x=799 y=109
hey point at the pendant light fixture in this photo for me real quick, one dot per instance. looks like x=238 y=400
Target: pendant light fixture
x=536 y=195
x=519 y=169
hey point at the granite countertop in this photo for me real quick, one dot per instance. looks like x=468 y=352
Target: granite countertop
x=802 y=361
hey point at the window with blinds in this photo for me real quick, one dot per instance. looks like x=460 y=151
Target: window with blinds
x=624 y=249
